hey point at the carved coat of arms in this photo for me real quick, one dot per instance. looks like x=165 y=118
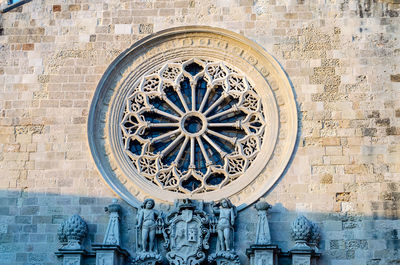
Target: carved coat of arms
x=186 y=234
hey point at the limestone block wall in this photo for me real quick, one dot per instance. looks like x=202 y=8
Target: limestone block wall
x=343 y=58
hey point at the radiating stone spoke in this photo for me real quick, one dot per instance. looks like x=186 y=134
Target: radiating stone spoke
x=172 y=105
x=183 y=101
x=171 y=146
x=181 y=150
x=216 y=147
x=165 y=114
x=226 y=124
x=225 y=112
x=193 y=86
x=231 y=140
x=162 y=125
x=203 y=151
x=216 y=103
x=192 y=153
x=166 y=135
x=204 y=100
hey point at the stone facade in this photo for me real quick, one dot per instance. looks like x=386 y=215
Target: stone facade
x=342 y=57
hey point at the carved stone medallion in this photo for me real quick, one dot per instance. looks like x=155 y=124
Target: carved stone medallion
x=194 y=112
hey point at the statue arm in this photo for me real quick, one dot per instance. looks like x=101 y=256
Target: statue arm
x=233 y=216
x=140 y=218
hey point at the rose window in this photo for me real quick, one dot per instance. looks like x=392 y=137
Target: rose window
x=193 y=112
x=192 y=126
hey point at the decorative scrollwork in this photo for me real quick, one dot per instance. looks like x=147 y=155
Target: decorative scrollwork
x=193 y=126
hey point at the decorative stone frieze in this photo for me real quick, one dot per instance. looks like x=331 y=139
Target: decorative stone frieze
x=187 y=112
x=191 y=233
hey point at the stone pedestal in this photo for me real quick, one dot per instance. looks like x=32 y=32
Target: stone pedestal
x=263 y=254
x=110 y=255
x=304 y=257
x=71 y=257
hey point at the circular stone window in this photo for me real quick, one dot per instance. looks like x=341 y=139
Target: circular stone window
x=193 y=112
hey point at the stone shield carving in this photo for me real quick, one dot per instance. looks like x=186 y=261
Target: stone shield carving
x=193 y=112
x=186 y=235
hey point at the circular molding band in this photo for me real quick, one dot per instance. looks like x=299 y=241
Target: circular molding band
x=193 y=112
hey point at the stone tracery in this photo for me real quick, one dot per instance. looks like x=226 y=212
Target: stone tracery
x=243 y=134
x=193 y=126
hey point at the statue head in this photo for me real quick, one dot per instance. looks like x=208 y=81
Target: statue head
x=226 y=203
x=148 y=204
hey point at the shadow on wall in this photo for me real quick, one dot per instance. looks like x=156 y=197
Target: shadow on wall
x=29 y=224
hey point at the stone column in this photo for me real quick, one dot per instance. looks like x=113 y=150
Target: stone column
x=263 y=252
x=110 y=252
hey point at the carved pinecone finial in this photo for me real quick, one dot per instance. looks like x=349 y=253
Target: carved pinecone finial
x=301 y=231
x=74 y=230
x=62 y=237
x=315 y=235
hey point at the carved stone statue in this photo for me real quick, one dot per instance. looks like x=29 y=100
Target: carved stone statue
x=147 y=224
x=227 y=214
